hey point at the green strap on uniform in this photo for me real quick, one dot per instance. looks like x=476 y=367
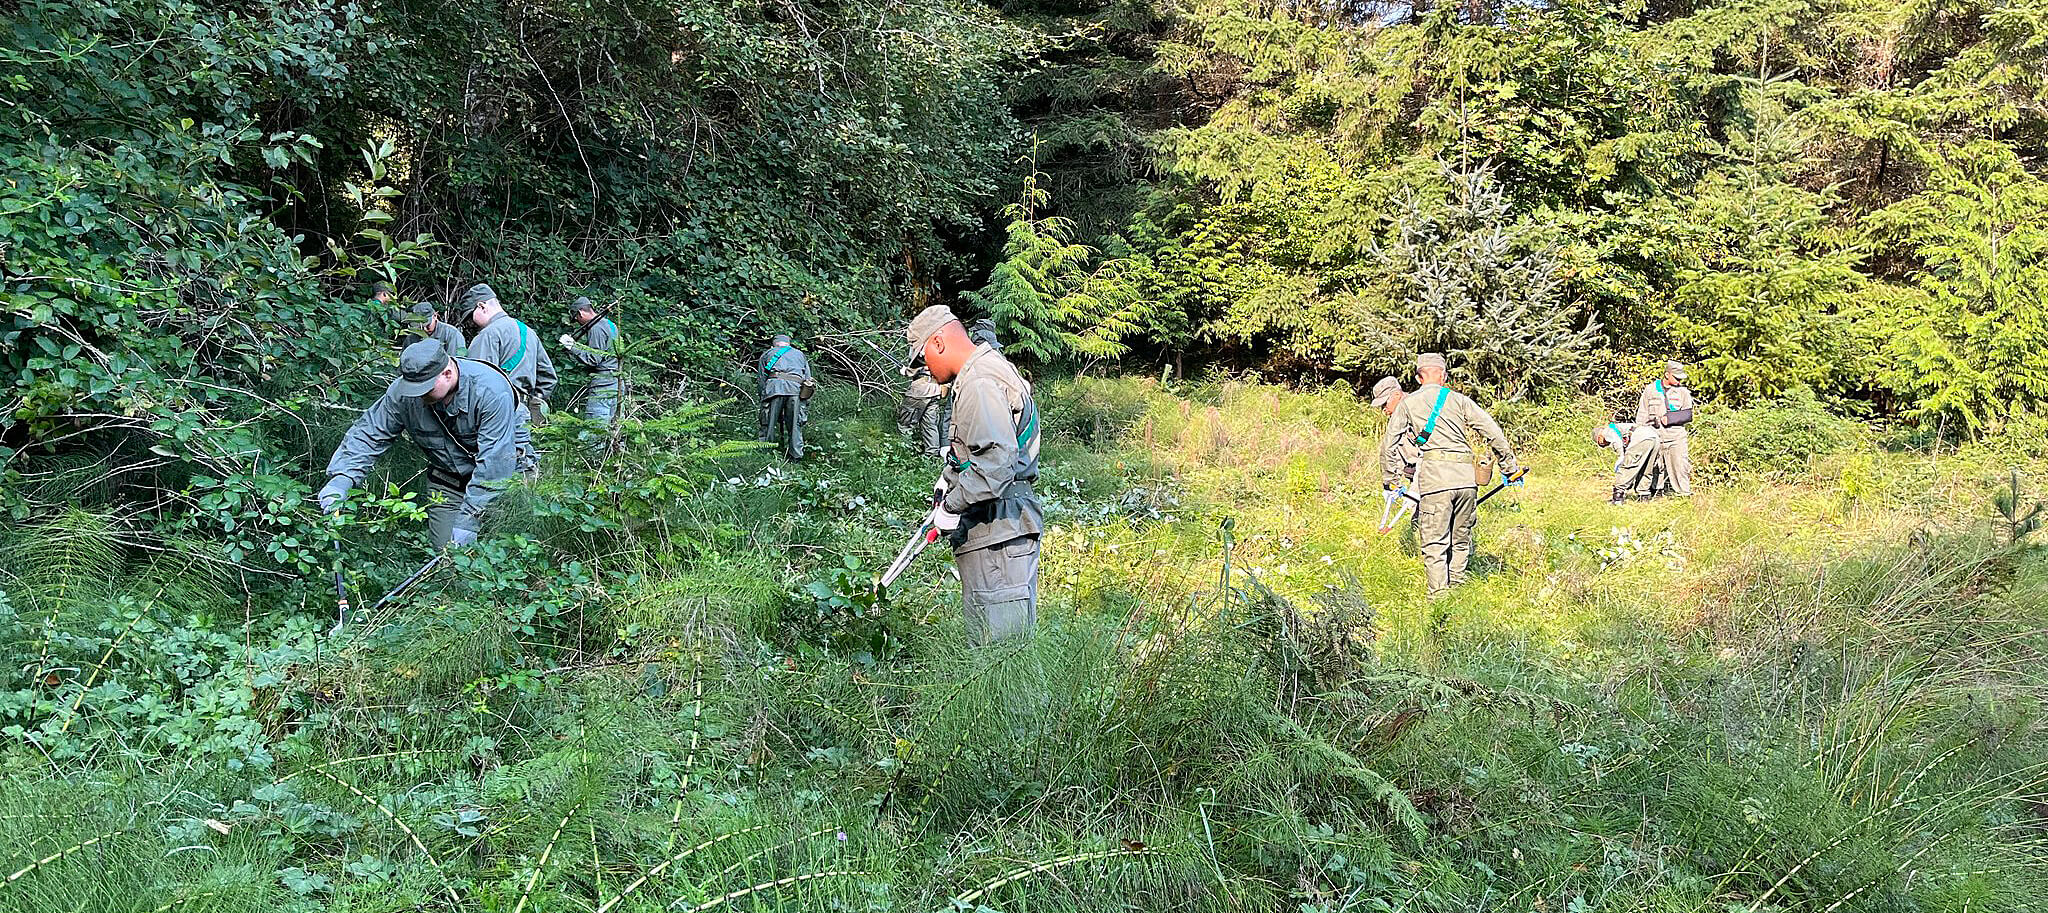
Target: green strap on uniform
x=520 y=355
x=772 y=362
x=1442 y=393
x=609 y=325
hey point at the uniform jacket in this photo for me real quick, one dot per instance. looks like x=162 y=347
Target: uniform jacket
x=993 y=455
x=516 y=350
x=1658 y=399
x=448 y=334
x=1444 y=461
x=467 y=437
x=597 y=353
x=783 y=375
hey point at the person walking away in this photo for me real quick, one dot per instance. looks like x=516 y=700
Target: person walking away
x=597 y=351
x=463 y=416
x=1666 y=404
x=986 y=503
x=513 y=348
x=423 y=322
x=784 y=374
x=1636 y=465
x=1444 y=427
x=924 y=405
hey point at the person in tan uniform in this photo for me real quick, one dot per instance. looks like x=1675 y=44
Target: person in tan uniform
x=1387 y=396
x=1637 y=469
x=1445 y=426
x=1666 y=405
x=985 y=502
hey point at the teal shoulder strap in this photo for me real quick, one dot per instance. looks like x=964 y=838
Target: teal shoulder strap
x=772 y=362
x=1024 y=436
x=1442 y=393
x=520 y=355
x=613 y=327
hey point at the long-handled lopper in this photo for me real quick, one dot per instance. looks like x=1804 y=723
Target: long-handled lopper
x=340 y=591
x=926 y=535
x=1504 y=483
x=1399 y=504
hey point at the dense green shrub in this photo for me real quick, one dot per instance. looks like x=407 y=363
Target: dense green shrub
x=1779 y=439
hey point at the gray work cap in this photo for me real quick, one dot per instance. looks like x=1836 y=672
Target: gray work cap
x=418 y=365
x=421 y=313
x=781 y=339
x=1385 y=389
x=1431 y=360
x=581 y=304
x=1676 y=369
x=475 y=295
x=928 y=321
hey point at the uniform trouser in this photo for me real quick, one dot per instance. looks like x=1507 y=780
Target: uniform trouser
x=999 y=590
x=522 y=445
x=781 y=411
x=1443 y=524
x=444 y=506
x=928 y=425
x=1675 y=447
x=1640 y=470
x=599 y=405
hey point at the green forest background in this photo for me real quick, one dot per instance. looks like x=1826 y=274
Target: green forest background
x=1200 y=225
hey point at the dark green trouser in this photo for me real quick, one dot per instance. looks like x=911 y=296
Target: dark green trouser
x=785 y=410
x=999 y=590
x=444 y=505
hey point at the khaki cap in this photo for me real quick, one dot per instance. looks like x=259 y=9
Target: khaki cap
x=928 y=321
x=1676 y=369
x=1384 y=390
x=1431 y=360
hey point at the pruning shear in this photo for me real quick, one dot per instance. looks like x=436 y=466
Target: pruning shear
x=1399 y=504
x=926 y=535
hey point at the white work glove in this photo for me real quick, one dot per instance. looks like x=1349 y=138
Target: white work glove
x=461 y=537
x=939 y=489
x=944 y=520
x=566 y=341
x=330 y=500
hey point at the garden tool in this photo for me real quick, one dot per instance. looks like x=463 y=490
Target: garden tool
x=340 y=591
x=407 y=583
x=1505 y=482
x=1400 y=503
x=925 y=536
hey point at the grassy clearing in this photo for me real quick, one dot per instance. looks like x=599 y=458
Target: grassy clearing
x=1815 y=690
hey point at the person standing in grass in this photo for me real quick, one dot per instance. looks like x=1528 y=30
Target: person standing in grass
x=1666 y=404
x=986 y=505
x=784 y=372
x=510 y=346
x=598 y=352
x=1636 y=465
x=424 y=323
x=1386 y=397
x=1444 y=427
x=924 y=412
x=463 y=416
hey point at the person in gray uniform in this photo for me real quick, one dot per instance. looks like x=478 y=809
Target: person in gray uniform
x=513 y=348
x=462 y=414
x=598 y=352
x=423 y=322
x=986 y=504
x=784 y=371
x=924 y=412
